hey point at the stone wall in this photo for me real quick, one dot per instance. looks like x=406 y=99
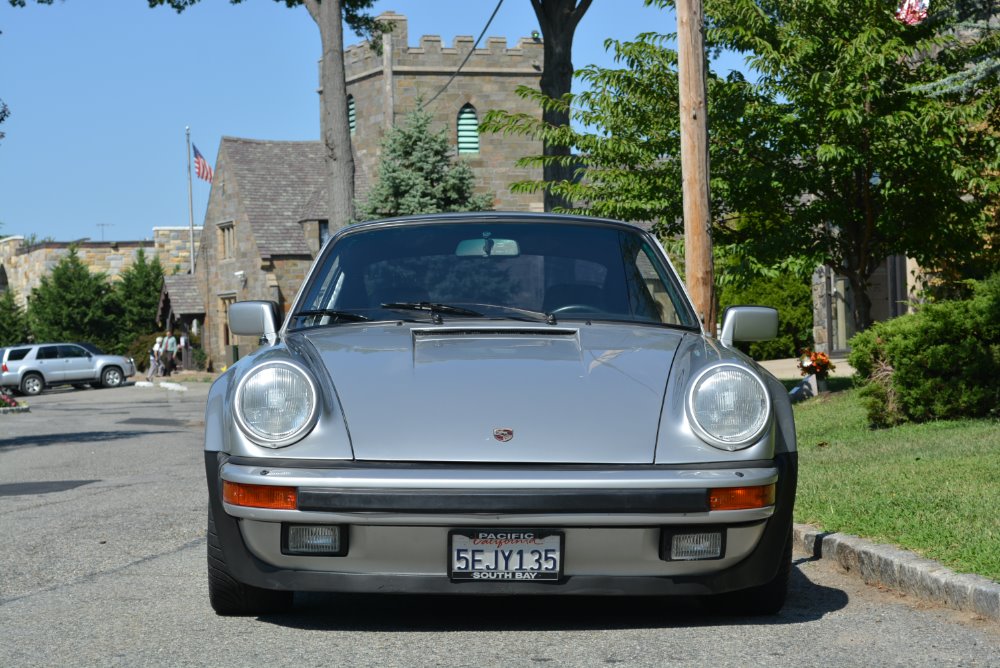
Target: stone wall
x=25 y=266
x=388 y=86
x=173 y=247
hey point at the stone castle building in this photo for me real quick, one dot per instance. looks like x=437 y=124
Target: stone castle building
x=383 y=88
x=266 y=216
x=22 y=267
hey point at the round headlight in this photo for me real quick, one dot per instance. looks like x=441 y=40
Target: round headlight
x=276 y=404
x=729 y=407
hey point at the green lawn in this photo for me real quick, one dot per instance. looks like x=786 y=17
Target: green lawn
x=931 y=488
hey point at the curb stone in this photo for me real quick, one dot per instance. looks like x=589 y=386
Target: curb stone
x=902 y=571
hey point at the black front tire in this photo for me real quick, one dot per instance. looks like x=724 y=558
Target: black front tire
x=229 y=596
x=765 y=599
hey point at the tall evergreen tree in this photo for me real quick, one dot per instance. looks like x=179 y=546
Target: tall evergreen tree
x=72 y=304
x=972 y=54
x=416 y=174
x=138 y=295
x=13 y=323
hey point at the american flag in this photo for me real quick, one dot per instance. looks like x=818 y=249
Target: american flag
x=201 y=166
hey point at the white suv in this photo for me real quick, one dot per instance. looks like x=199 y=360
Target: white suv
x=32 y=368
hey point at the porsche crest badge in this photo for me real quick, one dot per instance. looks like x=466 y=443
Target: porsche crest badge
x=503 y=434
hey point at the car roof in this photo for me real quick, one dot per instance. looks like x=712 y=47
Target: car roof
x=494 y=216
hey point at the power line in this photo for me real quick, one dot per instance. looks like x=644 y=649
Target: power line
x=467 y=56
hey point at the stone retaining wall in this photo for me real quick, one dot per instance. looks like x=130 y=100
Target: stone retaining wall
x=23 y=267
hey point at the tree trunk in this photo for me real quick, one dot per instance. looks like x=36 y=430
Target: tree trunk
x=861 y=301
x=558 y=20
x=336 y=134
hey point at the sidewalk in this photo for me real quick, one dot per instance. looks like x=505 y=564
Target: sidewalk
x=788 y=369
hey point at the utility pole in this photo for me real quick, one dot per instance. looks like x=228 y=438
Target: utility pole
x=698 y=268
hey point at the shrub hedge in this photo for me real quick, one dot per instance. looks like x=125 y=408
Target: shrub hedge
x=792 y=296
x=941 y=362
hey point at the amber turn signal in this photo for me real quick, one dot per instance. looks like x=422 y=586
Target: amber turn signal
x=741 y=498
x=260 y=496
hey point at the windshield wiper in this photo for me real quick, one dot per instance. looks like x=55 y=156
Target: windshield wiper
x=434 y=309
x=334 y=313
x=526 y=314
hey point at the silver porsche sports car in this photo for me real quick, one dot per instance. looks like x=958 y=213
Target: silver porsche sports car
x=498 y=403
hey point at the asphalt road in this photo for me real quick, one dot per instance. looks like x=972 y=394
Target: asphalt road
x=102 y=563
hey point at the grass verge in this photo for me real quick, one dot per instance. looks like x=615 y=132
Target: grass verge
x=932 y=488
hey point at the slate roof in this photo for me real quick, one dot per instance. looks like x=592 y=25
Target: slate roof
x=275 y=180
x=316 y=207
x=185 y=298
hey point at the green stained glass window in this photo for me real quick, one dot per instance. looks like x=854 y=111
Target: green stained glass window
x=468 y=130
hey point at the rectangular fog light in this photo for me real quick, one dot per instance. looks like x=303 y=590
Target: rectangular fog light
x=685 y=546
x=326 y=540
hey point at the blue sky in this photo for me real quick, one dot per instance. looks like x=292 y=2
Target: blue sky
x=100 y=92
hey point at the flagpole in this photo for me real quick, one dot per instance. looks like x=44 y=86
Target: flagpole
x=187 y=132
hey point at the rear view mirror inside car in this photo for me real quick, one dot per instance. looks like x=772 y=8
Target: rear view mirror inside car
x=487 y=248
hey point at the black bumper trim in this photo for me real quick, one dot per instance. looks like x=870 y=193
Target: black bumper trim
x=508 y=501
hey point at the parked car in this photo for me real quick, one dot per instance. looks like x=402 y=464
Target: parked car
x=33 y=367
x=498 y=404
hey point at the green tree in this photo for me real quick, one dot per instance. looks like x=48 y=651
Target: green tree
x=830 y=156
x=13 y=323
x=626 y=140
x=138 y=295
x=417 y=175
x=72 y=304
x=335 y=132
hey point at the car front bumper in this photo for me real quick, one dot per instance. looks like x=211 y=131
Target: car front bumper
x=398 y=520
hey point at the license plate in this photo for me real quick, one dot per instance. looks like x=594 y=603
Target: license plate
x=505 y=554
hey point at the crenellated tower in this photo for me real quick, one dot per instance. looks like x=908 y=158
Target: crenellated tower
x=382 y=88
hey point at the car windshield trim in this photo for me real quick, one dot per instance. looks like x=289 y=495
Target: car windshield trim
x=349 y=316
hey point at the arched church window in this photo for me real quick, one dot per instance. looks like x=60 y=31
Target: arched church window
x=468 y=130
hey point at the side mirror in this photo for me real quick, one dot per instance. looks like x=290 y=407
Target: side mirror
x=254 y=318
x=748 y=323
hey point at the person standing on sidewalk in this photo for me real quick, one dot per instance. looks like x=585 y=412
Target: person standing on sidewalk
x=170 y=357
x=154 y=359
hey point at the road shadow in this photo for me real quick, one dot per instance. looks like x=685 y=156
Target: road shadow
x=807 y=601
x=35 y=440
x=41 y=487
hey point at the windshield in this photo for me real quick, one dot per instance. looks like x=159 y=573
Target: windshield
x=493 y=269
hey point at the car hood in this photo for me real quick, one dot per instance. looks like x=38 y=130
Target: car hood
x=500 y=393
